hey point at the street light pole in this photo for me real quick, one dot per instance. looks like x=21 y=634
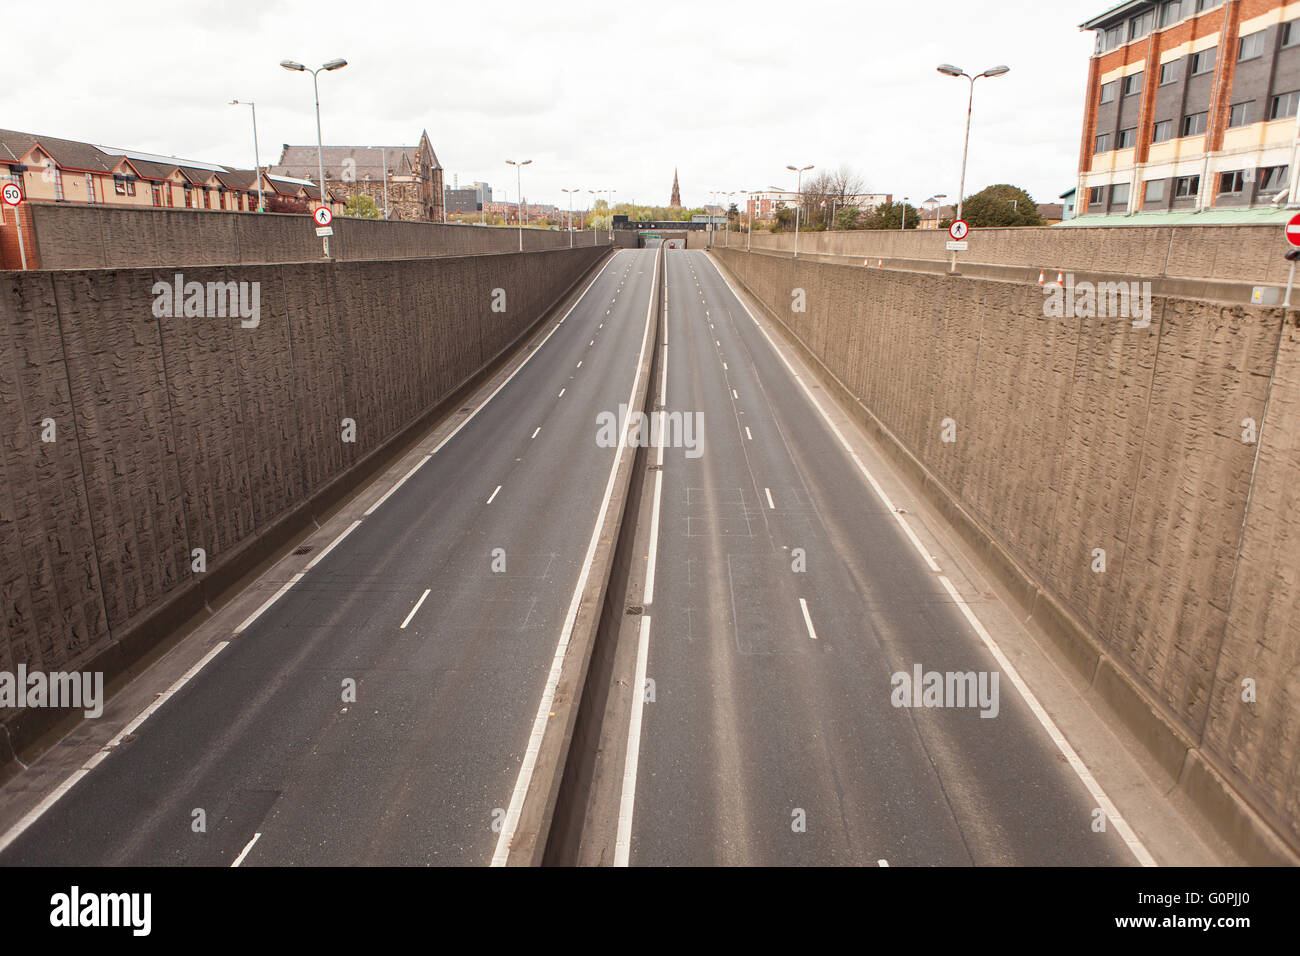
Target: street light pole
x=336 y=64
x=257 y=158
x=611 y=214
x=519 y=194
x=902 y=225
x=570 y=193
x=947 y=69
x=798 y=204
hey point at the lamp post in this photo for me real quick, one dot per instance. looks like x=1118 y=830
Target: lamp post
x=570 y=192
x=519 y=191
x=336 y=64
x=595 y=194
x=903 y=219
x=749 y=216
x=257 y=159
x=611 y=214
x=798 y=194
x=947 y=69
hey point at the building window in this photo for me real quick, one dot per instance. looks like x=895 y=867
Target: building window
x=1283 y=105
x=1239 y=115
x=189 y=197
x=1110 y=38
x=90 y=188
x=1186 y=187
x=1169 y=73
x=119 y=186
x=1127 y=138
x=58 y=179
x=1119 y=195
x=1194 y=124
x=1156 y=191
x=1170 y=12
x=156 y=191
x=1273 y=178
x=1232 y=182
x=1207 y=4
x=1140 y=25
x=1094 y=195
x=1162 y=131
x=1108 y=92
x=1251 y=46
x=1290 y=33
x=1103 y=143
x=207 y=203
x=1132 y=84
x=1203 y=62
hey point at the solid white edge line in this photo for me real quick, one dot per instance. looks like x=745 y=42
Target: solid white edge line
x=95 y=759
x=561 y=395
x=770 y=503
x=748 y=433
x=807 y=619
x=244 y=852
x=632 y=756
x=1076 y=764
x=402 y=627
x=502 y=853
x=535 y=431
x=494 y=494
x=401 y=481
x=882 y=863
x=268 y=602
x=330 y=547
x=1130 y=838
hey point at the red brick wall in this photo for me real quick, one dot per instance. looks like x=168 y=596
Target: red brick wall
x=10 y=257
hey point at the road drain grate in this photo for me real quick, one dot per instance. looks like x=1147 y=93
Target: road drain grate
x=304 y=549
x=635 y=609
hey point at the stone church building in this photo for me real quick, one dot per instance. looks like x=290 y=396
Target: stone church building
x=415 y=190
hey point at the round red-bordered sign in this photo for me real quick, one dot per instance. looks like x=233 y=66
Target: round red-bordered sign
x=12 y=194
x=1293 y=230
x=959 y=230
x=322 y=215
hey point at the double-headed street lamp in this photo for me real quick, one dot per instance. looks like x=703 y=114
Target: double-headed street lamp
x=519 y=191
x=903 y=220
x=947 y=69
x=798 y=191
x=570 y=192
x=336 y=64
x=257 y=159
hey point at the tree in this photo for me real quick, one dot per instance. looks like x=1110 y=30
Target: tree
x=890 y=216
x=1001 y=205
x=361 y=206
x=784 y=219
x=848 y=218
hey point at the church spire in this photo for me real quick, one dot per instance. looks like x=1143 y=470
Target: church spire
x=676 y=201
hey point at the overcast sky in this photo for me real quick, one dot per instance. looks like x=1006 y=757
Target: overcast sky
x=596 y=94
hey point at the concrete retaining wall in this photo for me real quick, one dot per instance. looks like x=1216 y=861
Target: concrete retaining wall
x=1081 y=434
x=1232 y=253
x=110 y=237
x=172 y=434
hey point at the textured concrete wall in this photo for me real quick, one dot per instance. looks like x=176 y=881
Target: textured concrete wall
x=110 y=237
x=1236 y=253
x=1074 y=434
x=179 y=433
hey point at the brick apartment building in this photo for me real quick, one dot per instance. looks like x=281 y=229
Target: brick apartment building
x=1191 y=105
x=414 y=183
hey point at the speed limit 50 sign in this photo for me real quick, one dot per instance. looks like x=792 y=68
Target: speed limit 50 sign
x=12 y=194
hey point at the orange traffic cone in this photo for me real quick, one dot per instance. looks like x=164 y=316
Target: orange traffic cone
x=880 y=264
x=1060 y=278
x=1040 y=276
x=866 y=263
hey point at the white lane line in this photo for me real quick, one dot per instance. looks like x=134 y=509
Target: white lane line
x=268 y=602
x=401 y=481
x=724 y=366
x=244 y=852
x=853 y=455
x=623 y=839
x=734 y=394
x=53 y=797
x=591 y=343
x=717 y=343
x=502 y=853
x=807 y=619
x=1112 y=813
x=330 y=547
x=748 y=433
x=601 y=326
x=493 y=495
x=561 y=395
x=579 y=365
x=768 y=492
x=652 y=559
x=882 y=863
x=535 y=431
x=402 y=627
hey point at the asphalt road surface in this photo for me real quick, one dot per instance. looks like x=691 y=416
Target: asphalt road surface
x=771 y=737
x=417 y=769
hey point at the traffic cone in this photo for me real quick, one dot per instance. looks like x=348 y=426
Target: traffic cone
x=880 y=264
x=866 y=263
x=1060 y=278
x=1040 y=276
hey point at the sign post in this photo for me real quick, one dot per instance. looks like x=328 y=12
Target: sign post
x=13 y=196
x=323 y=218
x=957 y=233
x=1292 y=234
